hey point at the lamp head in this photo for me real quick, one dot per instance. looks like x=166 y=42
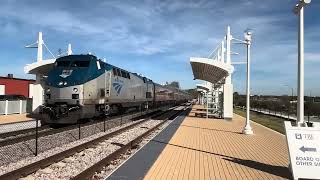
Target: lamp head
x=305 y=1
x=300 y=4
x=248 y=34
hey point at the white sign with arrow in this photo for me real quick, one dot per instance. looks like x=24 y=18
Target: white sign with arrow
x=304 y=150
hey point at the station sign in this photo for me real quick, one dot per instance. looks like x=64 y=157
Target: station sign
x=304 y=150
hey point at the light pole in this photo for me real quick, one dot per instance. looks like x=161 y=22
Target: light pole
x=299 y=10
x=247 y=128
x=247 y=41
x=247 y=36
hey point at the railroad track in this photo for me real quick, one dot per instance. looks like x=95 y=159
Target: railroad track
x=31 y=168
x=15 y=137
x=22 y=132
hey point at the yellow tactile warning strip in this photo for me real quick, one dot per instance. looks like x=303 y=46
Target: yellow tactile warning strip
x=215 y=149
x=13 y=118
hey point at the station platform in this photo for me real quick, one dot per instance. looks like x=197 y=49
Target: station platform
x=200 y=148
x=12 y=118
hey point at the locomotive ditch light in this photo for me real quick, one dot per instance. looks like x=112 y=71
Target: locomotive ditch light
x=65 y=83
x=60 y=83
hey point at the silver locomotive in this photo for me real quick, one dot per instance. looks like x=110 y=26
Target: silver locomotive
x=82 y=86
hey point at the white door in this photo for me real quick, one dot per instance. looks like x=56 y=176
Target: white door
x=2 y=89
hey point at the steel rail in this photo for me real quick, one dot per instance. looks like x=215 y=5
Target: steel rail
x=22 y=131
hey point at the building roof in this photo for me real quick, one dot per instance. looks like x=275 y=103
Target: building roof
x=21 y=79
x=210 y=70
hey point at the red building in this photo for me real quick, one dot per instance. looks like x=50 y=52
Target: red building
x=10 y=85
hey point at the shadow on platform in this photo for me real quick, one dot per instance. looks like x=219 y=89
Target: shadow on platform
x=206 y=128
x=271 y=169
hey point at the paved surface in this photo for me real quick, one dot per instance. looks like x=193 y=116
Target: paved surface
x=203 y=148
x=144 y=159
x=12 y=118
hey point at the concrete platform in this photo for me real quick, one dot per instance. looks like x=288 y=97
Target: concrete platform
x=200 y=148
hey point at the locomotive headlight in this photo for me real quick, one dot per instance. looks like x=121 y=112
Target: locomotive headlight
x=75 y=89
x=65 y=83
x=60 y=83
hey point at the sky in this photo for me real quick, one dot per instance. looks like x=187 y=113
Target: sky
x=157 y=38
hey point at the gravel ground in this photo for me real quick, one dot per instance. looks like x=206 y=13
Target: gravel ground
x=25 y=153
x=106 y=171
x=78 y=162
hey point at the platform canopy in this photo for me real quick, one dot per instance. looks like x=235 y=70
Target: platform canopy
x=40 y=67
x=202 y=87
x=210 y=70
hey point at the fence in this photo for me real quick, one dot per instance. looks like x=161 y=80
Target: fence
x=15 y=106
x=285 y=114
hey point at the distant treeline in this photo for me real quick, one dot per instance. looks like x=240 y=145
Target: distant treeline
x=284 y=103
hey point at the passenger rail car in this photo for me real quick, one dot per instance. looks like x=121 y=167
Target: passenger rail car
x=82 y=86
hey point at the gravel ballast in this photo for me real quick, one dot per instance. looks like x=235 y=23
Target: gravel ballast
x=78 y=162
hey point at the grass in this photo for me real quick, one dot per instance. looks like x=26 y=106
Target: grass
x=265 y=120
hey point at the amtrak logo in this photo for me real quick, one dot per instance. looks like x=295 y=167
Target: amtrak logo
x=65 y=73
x=117 y=85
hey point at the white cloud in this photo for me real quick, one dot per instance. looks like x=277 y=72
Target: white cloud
x=312 y=57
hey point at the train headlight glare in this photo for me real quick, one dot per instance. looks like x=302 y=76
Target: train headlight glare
x=75 y=89
x=65 y=83
x=60 y=83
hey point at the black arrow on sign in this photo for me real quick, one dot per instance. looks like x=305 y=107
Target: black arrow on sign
x=304 y=149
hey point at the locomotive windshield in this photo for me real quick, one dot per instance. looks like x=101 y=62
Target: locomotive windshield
x=80 y=64
x=62 y=63
x=73 y=63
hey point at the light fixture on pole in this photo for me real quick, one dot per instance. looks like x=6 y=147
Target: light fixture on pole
x=247 y=36
x=299 y=10
x=247 y=41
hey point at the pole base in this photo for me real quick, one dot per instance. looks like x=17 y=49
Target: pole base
x=247 y=130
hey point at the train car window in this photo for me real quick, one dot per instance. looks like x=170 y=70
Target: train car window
x=80 y=64
x=123 y=74
x=128 y=75
x=62 y=63
x=114 y=71
x=118 y=72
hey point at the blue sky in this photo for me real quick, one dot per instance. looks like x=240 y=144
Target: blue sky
x=157 y=38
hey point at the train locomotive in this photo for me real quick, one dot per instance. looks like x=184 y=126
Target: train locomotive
x=83 y=86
